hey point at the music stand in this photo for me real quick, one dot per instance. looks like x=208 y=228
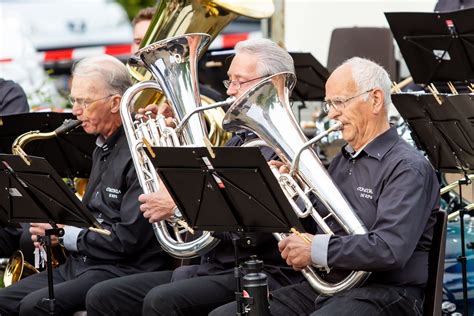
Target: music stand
x=230 y=189
x=36 y=193
x=437 y=47
x=234 y=191
x=446 y=134
x=70 y=154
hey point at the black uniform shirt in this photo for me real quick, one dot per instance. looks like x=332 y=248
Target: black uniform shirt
x=112 y=197
x=394 y=191
x=12 y=98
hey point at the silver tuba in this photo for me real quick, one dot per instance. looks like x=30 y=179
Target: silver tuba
x=265 y=110
x=173 y=63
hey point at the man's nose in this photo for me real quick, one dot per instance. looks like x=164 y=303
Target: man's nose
x=333 y=113
x=77 y=110
x=231 y=91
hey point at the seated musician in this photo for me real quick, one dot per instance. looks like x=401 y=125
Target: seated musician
x=197 y=289
x=140 y=24
x=16 y=238
x=9 y=240
x=394 y=191
x=112 y=197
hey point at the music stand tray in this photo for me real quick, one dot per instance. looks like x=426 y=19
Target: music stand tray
x=437 y=47
x=233 y=191
x=36 y=193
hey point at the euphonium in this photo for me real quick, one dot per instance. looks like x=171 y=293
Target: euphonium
x=173 y=62
x=265 y=110
x=178 y=17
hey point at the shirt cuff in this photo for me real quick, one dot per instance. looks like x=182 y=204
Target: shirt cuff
x=70 y=237
x=319 y=251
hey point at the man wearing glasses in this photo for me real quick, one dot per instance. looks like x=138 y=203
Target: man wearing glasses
x=197 y=289
x=112 y=197
x=394 y=191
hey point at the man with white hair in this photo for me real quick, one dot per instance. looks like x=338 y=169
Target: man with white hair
x=112 y=197
x=394 y=191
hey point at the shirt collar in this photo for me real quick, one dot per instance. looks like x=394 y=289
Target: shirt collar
x=108 y=143
x=377 y=148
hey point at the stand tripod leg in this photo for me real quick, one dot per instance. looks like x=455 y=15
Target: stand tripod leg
x=49 y=266
x=462 y=258
x=50 y=301
x=238 y=286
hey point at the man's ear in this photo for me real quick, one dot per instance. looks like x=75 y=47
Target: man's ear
x=377 y=101
x=115 y=106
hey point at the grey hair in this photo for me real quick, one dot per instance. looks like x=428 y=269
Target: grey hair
x=271 y=57
x=367 y=75
x=110 y=69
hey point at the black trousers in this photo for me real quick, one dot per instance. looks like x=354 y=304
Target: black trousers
x=369 y=300
x=26 y=296
x=153 y=293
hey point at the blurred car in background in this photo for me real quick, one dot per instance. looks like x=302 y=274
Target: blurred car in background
x=67 y=30
x=20 y=62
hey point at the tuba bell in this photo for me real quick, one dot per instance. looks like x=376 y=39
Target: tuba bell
x=17 y=268
x=265 y=110
x=178 y=17
x=173 y=63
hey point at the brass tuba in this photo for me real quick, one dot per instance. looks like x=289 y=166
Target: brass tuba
x=173 y=63
x=179 y=17
x=265 y=110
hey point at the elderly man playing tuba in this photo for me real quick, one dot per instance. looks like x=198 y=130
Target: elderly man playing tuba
x=112 y=197
x=394 y=191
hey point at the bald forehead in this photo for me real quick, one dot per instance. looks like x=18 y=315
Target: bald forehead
x=91 y=82
x=341 y=80
x=243 y=65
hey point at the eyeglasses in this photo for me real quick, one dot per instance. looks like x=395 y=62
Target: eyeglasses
x=84 y=103
x=238 y=84
x=340 y=104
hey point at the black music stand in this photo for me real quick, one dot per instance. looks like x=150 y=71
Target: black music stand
x=234 y=191
x=446 y=134
x=70 y=154
x=231 y=189
x=36 y=193
x=437 y=47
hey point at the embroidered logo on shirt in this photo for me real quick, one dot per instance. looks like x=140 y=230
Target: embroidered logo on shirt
x=365 y=193
x=113 y=193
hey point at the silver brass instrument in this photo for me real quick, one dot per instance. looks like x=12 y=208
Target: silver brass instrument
x=173 y=63
x=178 y=17
x=265 y=110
